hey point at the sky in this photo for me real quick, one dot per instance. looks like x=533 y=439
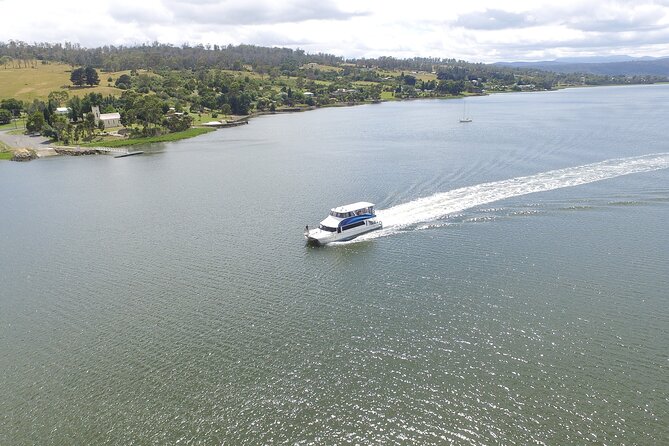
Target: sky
x=481 y=31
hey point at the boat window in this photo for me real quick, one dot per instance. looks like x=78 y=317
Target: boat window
x=327 y=228
x=361 y=211
x=353 y=225
x=341 y=214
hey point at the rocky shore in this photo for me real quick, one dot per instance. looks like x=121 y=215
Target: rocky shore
x=24 y=155
x=75 y=152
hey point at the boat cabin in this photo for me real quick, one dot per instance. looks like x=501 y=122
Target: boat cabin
x=351 y=210
x=344 y=223
x=347 y=217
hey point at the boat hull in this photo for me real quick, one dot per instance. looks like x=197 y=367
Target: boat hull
x=320 y=237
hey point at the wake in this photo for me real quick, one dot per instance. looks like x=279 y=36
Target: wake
x=442 y=204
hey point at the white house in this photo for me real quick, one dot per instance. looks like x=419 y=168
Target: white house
x=108 y=119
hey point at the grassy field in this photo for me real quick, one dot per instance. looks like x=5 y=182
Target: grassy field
x=420 y=75
x=27 y=84
x=190 y=133
x=5 y=151
x=387 y=95
x=11 y=126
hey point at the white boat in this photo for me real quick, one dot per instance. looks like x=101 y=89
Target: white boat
x=465 y=118
x=344 y=223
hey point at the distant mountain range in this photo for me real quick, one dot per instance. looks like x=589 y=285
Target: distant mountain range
x=604 y=65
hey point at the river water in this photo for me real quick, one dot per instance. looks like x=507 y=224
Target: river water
x=518 y=293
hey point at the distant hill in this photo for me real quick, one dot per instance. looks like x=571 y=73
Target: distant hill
x=603 y=66
x=603 y=59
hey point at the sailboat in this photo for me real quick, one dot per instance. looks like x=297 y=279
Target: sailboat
x=465 y=118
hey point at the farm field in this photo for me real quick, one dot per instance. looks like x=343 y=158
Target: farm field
x=38 y=81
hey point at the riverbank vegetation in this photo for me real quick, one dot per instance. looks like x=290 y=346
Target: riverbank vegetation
x=189 y=133
x=162 y=89
x=5 y=151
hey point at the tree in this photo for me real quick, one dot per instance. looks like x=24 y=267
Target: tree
x=35 y=122
x=67 y=134
x=76 y=136
x=451 y=87
x=144 y=110
x=375 y=92
x=409 y=79
x=59 y=124
x=91 y=75
x=4 y=60
x=88 y=126
x=78 y=77
x=14 y=106
x=124 y=82
x=177 y=123
x=126 y=104
x=241 y=103
x=58 y=97
x=35 y=106
x=149 y=110
x=89 y=100
x=5 y=116
x=76 y=109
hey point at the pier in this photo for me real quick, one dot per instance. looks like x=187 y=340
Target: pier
x=118 y=152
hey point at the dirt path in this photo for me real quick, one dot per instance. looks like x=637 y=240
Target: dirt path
x=24 y=141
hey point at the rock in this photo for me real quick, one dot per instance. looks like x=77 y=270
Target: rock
x=24 y=155
x=75 y=152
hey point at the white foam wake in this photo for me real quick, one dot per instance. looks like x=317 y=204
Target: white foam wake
x=445 y=203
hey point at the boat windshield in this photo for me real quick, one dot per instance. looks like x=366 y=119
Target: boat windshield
x=362 y=211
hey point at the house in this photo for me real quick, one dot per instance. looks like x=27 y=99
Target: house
x=63 y=110
x=107 y=119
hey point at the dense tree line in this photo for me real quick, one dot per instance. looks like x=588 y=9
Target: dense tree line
x=164 y=85
x=158 y=56
x=263 y=60
x=285 y=61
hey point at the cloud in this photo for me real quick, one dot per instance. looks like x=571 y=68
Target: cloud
x=228 y=12
x=491 y=30
x=145 y=12
x=565 y=42
x=569 y=28
x=272 y=38
x=621 y=19
x=495 y=19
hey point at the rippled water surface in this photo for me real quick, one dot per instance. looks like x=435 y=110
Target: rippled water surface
x=518 y=293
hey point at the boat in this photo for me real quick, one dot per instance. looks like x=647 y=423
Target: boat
x=344 y=223
x=122 y=155
x=465 y=118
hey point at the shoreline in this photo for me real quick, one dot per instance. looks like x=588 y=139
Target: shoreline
x=44 y=147
x=89 y=148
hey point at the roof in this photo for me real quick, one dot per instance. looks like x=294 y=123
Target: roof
x=110 y=116
x=353 y=206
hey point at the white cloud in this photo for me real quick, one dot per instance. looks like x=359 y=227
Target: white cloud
x=487 y=30
x=492 y=19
